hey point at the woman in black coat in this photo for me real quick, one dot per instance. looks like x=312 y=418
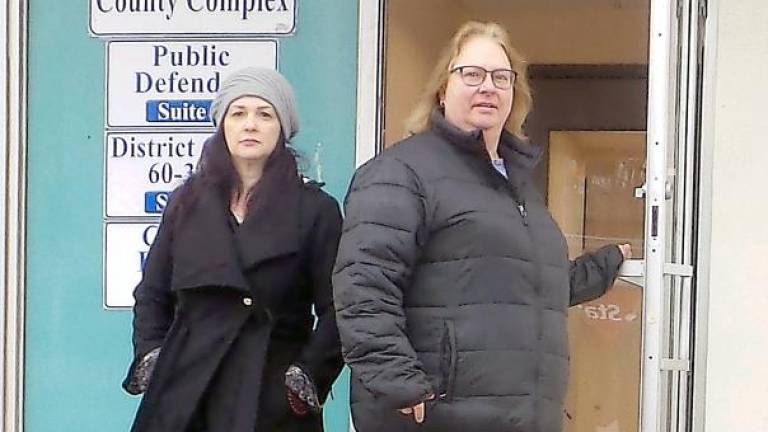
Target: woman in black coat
x=452 y=283
x=223 y=327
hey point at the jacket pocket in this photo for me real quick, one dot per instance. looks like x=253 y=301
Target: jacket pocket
x=468 y=415
x=448 y=361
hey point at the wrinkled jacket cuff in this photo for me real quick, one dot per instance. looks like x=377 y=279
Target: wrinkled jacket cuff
x=404 y=394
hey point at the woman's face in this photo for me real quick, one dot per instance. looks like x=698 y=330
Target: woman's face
x=483 y=106
x=251 y=129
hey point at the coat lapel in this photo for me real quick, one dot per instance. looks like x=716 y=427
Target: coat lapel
x=208 y=253
x=205 y=253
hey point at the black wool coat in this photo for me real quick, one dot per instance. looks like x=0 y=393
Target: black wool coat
x=454 y=281
x=231 y=308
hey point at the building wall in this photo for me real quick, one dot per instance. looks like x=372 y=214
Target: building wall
x=737 y=353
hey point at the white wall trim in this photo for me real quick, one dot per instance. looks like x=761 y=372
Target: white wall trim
x=3 y=185
x=368 y=79
x=13 y=210
x=704 y=234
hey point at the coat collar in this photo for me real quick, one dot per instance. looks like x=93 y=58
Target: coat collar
x=273 y=230
x=515 y=152
x=208 y=253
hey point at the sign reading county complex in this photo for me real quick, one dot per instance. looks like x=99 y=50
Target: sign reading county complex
x=192 y=17
x=164 y=83
x=143 y=168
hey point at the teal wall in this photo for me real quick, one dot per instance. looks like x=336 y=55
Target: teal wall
x=77 y=352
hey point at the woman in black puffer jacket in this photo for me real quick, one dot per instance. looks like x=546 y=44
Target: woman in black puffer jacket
x=452 y=282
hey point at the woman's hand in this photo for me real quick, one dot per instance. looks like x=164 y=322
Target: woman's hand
x=626 y=250
x=417 y=410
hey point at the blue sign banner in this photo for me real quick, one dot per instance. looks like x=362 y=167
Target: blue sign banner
x=185 y=111
x=155 y=201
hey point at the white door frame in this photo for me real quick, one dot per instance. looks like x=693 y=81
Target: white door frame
x=12 y=211
x=659 y=140
x=369 y=98
x=3 y=185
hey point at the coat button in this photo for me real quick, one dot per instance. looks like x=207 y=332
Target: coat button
x=247 y=301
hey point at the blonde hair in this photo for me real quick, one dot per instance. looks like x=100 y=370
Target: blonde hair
x=419 y=119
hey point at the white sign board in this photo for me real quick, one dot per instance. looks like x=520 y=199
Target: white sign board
x=142 y=169
x=123 y=18
x=125 y=253
x=164 y=83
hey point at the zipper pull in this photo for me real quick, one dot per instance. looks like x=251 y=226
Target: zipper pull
x=522 y=210
x=523 y=213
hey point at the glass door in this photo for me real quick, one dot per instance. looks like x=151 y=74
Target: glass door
x=592 y=179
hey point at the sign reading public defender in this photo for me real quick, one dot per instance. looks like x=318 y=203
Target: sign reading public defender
x=123 y=18
x=172 y=83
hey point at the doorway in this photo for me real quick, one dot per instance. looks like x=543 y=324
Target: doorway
x=591 y=182
x=588 y=64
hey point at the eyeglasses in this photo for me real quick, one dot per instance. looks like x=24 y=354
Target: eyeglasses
x=475 y=75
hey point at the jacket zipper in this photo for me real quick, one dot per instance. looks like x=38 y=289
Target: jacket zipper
x=520 y=204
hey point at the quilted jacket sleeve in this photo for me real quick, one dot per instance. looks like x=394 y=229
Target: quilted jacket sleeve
x=593 y=273
x=384 y=221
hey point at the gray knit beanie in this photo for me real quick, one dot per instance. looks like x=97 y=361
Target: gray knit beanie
x=264 y=83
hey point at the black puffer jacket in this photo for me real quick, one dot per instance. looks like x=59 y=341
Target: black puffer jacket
x=452 y=280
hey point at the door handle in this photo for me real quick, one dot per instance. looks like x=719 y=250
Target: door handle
x=639 y=192
x=632 y=271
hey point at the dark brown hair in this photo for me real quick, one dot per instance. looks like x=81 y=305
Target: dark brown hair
x=215 y=169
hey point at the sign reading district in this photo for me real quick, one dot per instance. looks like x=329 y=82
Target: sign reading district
x=192 y=17
x=125 y=253
x=165 y=83
x=142 y=169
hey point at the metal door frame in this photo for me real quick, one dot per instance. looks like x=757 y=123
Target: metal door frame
x=13 y=19
x=680 y=337
x=659 y=138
